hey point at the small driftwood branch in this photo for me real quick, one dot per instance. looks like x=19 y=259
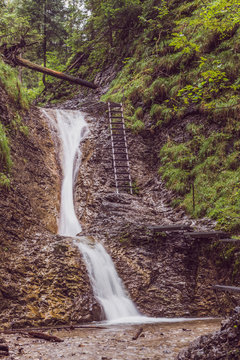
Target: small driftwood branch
x=44 y=336
x=138 y=334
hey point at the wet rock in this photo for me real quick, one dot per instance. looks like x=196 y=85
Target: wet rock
x=4 y=349
x=222 y=344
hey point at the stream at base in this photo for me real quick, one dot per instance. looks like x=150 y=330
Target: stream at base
x=157 y=342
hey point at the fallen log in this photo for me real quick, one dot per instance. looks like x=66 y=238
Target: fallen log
x=47 y=328
x=226 y=288
x=57 y=74
x=44 y=336
x=12 y=55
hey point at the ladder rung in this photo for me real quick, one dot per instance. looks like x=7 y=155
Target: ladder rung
x=122 y=173
x=127 y=180
x=120 y=153
x=116 y=117
x=121 y=166
x=115 y=105
x=117 y=123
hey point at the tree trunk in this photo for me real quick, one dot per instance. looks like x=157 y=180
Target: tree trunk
x=44 y=39
x=54 y=73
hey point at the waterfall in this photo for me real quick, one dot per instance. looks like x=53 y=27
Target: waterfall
x=107 y=286
x=72 y=130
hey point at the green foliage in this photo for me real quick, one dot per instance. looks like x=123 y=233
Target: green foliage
x=6 y=162
x=10 y=82
x=135 y=188
x=209 y=85
x=13 y=27
x=17 y=100
x=17 y=125
x=4 y=181
x=186 y=59
x=212 y=164
x=181 y=42
x=219 y=16
x=137 y=125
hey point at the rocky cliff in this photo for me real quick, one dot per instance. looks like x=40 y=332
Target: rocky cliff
x=43 y=277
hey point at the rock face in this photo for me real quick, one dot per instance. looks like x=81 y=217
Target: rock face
x=223 y=344
x=45 y=283
x=43 y=279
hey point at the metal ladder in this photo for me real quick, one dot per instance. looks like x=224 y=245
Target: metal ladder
x=121 y=166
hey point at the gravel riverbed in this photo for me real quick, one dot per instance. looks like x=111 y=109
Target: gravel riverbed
x=161 y=341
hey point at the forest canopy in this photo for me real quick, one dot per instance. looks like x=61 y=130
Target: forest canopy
x=57 y=32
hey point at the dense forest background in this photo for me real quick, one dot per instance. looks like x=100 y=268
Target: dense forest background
x=176 y=65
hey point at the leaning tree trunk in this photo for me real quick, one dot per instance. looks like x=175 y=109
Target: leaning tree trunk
x=57 y=74
x=44 y=39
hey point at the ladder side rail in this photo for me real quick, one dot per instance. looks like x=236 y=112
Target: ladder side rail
x=130 y=179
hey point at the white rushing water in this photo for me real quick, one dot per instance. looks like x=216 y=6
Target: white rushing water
x=106 y=283
x=107 y=286
x=72 y=130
